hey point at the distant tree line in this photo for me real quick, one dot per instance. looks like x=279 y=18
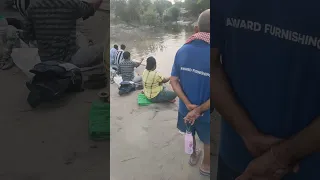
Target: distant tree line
x=154 y=12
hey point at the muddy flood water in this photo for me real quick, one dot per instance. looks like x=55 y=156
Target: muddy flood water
x=145 y=42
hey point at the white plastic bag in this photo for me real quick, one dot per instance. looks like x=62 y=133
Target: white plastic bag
x=117 y=79
x=25 y=59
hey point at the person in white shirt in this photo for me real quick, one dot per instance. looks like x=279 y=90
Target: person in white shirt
x=113 y=54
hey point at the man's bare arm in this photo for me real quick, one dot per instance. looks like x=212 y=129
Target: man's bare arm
x=175 y=83
x=205 y=106
x=165 y=80
x=301 y=145
x=137 y=64
x=224 y=100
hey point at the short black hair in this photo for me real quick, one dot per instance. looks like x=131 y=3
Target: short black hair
x=115 y=46
x=126 y=55
x=151 y=63
x=123 y=47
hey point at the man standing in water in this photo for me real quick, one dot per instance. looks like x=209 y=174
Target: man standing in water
x=266 y=87
x=190 y=79
x=52 y=23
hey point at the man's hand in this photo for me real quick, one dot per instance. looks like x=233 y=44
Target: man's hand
x=165 y=80
x=197 y=112
x=259 y=143
x=192 y=116
x=267 y=167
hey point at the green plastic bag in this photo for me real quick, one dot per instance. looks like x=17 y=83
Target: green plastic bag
x=99 y=121
x=143 y=100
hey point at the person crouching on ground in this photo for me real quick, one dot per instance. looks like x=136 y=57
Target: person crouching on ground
x=190 y=79
x=153 y=84
x=56 y=37
x=126 y=69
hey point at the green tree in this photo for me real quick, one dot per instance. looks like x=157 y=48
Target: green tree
x=195 y=7
x=134 y=9
x=175 y=12
x=178 y=4
x=171 y=14
x=161 y=6
x=119 y=7
x=150 y=18
x=146 y=4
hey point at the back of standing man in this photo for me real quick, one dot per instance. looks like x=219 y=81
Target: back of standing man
x=119 y=56
x=113 y=54
x=52 y=23
x=190 y=79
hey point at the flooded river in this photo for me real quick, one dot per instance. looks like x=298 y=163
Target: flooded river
x=145 y=42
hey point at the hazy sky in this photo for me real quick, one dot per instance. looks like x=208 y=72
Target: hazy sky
x=173 y=1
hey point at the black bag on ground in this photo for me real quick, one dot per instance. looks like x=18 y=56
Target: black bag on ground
x=52 y=81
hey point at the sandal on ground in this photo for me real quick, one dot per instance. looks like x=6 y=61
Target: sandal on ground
x=204 y=173
x=194 y=160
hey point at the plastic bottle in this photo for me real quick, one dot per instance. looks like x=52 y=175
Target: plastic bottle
x=188 y=142
x=3 y=29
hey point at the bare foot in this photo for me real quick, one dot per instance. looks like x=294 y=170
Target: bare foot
x=194 y=158
x=205 y=169
x=173 y=101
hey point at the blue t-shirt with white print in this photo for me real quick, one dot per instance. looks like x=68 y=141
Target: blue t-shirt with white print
x=192 y=67
x=271 y=55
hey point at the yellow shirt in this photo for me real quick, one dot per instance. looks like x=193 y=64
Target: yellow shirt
x=152 y=83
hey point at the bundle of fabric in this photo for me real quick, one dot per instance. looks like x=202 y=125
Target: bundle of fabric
x=52 y=80
x=126 y=87
x=90 y=61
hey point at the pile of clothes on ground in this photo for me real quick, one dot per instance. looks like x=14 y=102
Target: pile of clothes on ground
x=125 y=87
x=51 y=80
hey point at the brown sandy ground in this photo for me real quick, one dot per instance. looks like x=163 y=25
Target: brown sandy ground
x=51 y=142
x=151 y=147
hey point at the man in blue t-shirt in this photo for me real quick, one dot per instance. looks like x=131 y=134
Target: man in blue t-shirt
x=266 y=84
x=190 y=79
